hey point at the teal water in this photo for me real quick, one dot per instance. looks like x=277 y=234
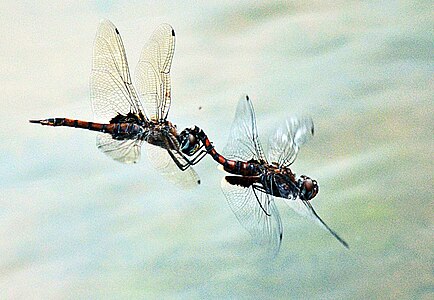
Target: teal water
x=74 y=224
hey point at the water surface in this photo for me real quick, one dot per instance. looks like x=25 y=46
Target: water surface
x=75 y=224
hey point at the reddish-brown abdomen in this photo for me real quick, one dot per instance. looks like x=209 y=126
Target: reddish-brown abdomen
x=231 y=164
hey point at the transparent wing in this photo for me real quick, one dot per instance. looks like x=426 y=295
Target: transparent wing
x=284 y=144
x=265 y=228
x=112 y=92
x=125 y=151
x=163 y=162
x=153 y=72
x=243 y=143
x=305 y=209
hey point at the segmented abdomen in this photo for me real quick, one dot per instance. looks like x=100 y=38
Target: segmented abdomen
x=116 y=129
x=232 y=166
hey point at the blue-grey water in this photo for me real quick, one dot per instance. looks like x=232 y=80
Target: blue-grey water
x=75 y=224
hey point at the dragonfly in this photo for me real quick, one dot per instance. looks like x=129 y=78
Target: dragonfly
x=258 y=179
x=126 y=122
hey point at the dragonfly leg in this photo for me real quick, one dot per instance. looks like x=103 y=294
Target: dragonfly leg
x=195 y=160
x=261 y=189
x=190 y=162
x=175 y=159
x=173 y=148
x=199 y=156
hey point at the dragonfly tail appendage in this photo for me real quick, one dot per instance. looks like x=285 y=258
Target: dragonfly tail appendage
x=42 y=122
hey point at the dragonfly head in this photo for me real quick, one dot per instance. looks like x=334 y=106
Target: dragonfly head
x=189 y=143
x=308 y=188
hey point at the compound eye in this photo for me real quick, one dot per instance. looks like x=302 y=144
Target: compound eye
x=190 y=144
x=192 y=139
x=308 y=185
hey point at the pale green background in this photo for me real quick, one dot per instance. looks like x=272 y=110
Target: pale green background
x=74 y=224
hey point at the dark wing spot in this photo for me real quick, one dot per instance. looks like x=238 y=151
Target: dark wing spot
x=117 y=31
x=173 y=32
x=198 y=182
x=247 y=97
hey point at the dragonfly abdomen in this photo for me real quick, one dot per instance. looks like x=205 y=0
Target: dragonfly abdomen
x=241 y=168
x=118 y=130
x=231 y=166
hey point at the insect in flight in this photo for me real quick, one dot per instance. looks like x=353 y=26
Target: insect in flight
x=114 y=99
x=256 y=181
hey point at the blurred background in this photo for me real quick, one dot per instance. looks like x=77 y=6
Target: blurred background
x=75 y=224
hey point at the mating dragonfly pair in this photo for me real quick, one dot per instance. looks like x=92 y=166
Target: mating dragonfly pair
x=255 y=182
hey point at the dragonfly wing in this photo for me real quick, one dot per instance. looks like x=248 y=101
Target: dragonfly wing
x=284 y=144
x=125 y=151
x=257 y=213
x=112 y=92
x=163 y=162
x=305 y=209
x=243 y=143
x=153 y=72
